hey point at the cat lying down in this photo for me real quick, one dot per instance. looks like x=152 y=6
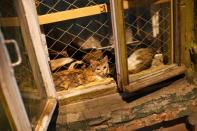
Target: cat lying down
x=72 y=77
x=139 y=60
x=142 y=59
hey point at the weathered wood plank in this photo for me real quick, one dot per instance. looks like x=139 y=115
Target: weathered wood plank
x=112 y=111
x=72 y=14
x=155 y=77
x=119 y=42
x=91 y=91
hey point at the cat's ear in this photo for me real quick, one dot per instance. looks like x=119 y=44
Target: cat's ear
x=105 y=59
x=93 y=62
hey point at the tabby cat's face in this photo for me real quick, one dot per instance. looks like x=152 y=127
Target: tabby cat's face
x=101 y=67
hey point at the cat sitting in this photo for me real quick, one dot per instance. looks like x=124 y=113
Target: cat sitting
x=140 y=60
x=97 y=70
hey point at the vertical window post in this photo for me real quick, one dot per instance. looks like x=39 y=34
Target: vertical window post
x=117 y=16
x=176 y=33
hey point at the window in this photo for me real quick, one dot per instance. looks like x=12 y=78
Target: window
x=83 y=41
x=152 y=52
x=32 y=75
x=90 y=30
x=14 y=118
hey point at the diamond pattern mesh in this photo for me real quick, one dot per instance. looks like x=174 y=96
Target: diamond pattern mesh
x=150 y=28
x=144 y=26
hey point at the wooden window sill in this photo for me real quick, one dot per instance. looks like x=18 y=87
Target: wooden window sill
x=89 y=91
x=153 y=76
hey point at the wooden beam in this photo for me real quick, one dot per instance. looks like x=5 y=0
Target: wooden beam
x=72 y=14
x=119 y=42
x=60 y=16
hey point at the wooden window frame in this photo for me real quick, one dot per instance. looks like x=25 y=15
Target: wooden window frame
x=32 y=38
x=33 y=42
x=123 y=79
x=132 y=83
x=10 y=94
x=148 y=78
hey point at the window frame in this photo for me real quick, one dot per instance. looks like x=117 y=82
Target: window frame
x=123 y=78
x=33 y=42
x=10 y=94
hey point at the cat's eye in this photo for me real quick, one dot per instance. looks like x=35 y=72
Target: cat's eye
x=104 y=67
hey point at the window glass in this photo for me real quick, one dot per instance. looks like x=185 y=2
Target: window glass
x=34 y=96
x=4 y=123
x=148 y=37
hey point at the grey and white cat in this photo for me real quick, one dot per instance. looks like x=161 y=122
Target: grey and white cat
x=140 y=60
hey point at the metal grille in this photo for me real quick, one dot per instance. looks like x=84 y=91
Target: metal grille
x=71 y=38
x=149 y=27
x=46 y=7
x=145 y=27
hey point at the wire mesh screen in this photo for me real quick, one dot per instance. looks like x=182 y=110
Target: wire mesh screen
x=46 y=7
x=81 y=40
x=90 y=38
x=149 y=30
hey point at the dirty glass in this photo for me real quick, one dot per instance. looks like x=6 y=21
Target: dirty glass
x=4 y=123
x=34 y=96
x=148 y=35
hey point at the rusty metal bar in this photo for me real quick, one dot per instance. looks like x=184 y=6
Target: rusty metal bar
x=117 y=16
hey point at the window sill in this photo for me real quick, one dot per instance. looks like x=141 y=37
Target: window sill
x=89 y=91
x=155 y=75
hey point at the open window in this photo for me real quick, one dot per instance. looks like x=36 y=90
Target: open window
x=10 y=118
x=78 y=32
x=148 y=47
x=33 y=78
x=79 y=37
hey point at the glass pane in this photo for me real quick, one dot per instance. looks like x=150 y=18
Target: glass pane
x=86 y=39
x=34 y=96
x=4 y=123
x=148 y=38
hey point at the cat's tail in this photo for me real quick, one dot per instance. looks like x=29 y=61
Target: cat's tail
x=72 y=66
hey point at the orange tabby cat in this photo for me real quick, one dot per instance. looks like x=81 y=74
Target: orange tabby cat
x=75 y=77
